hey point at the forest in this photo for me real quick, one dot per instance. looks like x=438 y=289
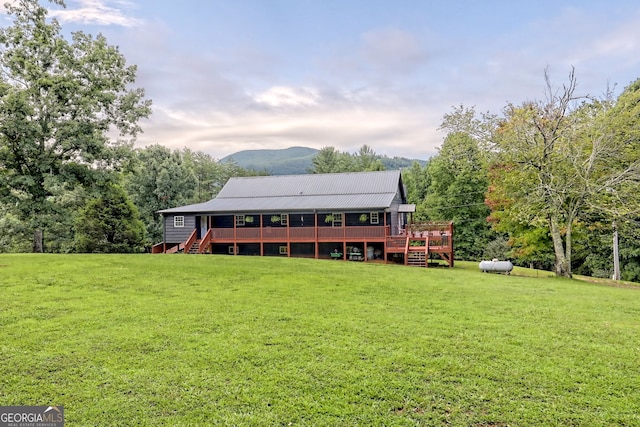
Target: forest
x=548 y=183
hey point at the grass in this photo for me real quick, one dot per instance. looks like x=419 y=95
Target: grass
x=218 y=340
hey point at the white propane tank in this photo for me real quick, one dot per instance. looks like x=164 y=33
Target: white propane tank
x=495 y=266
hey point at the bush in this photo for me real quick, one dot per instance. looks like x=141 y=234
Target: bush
x=109 y=224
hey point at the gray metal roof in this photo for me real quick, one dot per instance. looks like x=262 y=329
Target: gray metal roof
x=331 y=192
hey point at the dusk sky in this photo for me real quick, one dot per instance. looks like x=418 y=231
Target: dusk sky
x=231 y=75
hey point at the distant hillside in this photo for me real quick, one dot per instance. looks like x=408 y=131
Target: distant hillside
x=296 y=160
x=288 y=161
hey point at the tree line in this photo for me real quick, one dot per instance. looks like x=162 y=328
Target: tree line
x=544 y=183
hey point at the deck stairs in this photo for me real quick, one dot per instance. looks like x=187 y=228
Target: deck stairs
x=417 y=258
x=195 y=248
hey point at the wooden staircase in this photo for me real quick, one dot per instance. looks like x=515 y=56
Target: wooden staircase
x=195 y=248
x=417 y=258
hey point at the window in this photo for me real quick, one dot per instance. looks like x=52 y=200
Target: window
x=337 y=219
x=374 y=218
x=283 y=250
x=178 y=221
x=239 y=220
x=284 y=219
x=232 y=250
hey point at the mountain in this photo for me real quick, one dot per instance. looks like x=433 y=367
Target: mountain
x=288 y=161
x=297 y=160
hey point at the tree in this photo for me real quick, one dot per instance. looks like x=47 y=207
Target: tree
x=330 y=160
x=479 y=126
x=109 y=224
x=367 y=160
x=558 y=159
x=59 y=101
x=458 y=182
x=159 y=179
x=416 y=180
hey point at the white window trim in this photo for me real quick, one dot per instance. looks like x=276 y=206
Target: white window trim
x=178 y=221
x=374 y=218
x=239 y=220
x=338 y=222
x=284 y=250
x=284 y=219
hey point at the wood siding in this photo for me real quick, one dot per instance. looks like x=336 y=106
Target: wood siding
x=178 y=234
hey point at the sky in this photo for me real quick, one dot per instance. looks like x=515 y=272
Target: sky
x=232 y=75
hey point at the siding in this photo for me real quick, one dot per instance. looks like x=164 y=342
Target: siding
x=179 y=234
x=395 y=205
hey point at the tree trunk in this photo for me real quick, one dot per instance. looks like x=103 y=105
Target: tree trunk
x=37 y=241
x=568 y=244
x=562 y=267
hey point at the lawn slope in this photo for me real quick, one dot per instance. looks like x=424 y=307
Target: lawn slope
x=207 y=340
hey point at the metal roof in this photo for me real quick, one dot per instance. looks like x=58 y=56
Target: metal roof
x=337 y=191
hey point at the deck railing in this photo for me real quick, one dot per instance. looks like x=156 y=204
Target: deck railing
x=190 y=241
x=206 y=240
x=440 y=237
x=281 y=234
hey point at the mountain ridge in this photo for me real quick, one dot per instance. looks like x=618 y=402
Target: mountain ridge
x=296 y=160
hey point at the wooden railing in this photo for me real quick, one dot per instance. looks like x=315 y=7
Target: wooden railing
x=396 y=242
x=205 y=241
x=222 y=234
x=190 y=241
x=348 y=233
x=300 y=234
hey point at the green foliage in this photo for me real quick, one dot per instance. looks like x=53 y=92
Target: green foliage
x=458 y=182
x=559 y=160
x=59 y=100
x=210 y=174
x=497 y=249
x=330 y=160
x=288 y=161
x=595 y=253
x=416 y=180
x=13 y=233
x=159 y=179
x=204 y=340
x=299 y=160
x=109 y=224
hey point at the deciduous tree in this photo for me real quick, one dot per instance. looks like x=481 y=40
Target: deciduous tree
x=60 y=100
x=458 y=182
x=559 y=158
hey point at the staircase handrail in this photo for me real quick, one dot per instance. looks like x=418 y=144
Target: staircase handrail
x=208 y=237
x=190 y=241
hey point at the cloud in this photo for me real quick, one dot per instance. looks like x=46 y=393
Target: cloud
x=282 y=96
x=391 y=50
x=97 y=12
x=298 y=116
x=386 y=87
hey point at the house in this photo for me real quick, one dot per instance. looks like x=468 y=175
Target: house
x=350 y=216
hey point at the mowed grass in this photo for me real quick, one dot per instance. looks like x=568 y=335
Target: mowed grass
x=153 y=340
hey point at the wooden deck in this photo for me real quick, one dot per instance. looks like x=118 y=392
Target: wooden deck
x=416 y=245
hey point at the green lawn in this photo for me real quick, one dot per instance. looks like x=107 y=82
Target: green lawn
x=154 y=340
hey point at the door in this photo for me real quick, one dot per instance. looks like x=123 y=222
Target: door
x=201 y=224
